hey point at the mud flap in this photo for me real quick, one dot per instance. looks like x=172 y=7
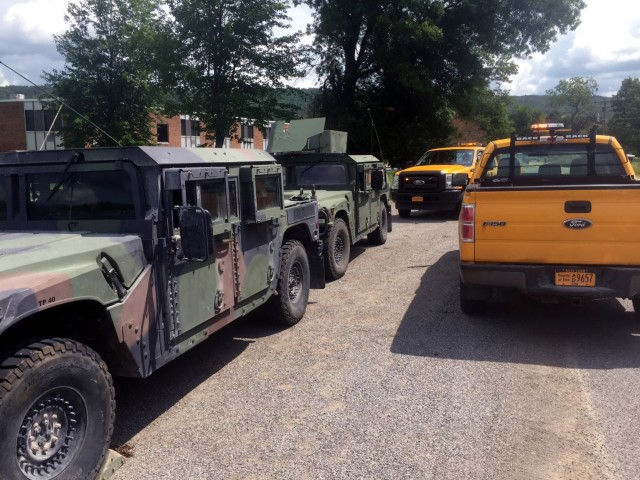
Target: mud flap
x=389 y=221
x=316 y=265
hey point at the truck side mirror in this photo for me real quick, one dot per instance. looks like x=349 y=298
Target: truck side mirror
x=377 y=179
x=460 y=180
x=196 y=234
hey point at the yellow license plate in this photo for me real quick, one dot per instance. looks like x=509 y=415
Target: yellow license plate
x=575 y=278
x=416 y=199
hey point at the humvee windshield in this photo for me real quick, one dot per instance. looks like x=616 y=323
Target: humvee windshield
x=317 y=174
x=86 y=195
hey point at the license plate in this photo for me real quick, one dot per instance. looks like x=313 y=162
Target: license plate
x=575 y=278
x=416 y=199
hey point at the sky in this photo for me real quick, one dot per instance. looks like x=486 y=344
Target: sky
x=605 y=46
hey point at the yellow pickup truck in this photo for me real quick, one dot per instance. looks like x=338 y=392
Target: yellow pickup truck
x=553 y=215
x=427 y=185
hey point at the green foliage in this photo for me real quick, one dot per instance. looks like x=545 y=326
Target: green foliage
x=522 y=116
x=576 y=94
x=224 y=63
x=412 y=64
x=108 y=73
x=625 y=123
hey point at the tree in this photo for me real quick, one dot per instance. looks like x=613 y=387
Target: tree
x=576 y=96
x=228 y=64
x=523 y=116
x=422 y=61
x=625 y=123
x=108 y=75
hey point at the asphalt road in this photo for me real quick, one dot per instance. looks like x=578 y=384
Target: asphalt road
x=385 y=378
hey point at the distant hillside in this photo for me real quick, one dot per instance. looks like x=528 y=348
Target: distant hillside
x=540 y=102
x=27 y=91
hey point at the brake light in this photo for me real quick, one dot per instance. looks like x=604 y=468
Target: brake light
x=467 y=221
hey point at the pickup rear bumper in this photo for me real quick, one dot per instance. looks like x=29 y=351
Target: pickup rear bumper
x=445 y=200
x=539 y=280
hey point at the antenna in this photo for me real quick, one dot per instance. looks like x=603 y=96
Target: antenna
x=373 y=127
x=58 y=99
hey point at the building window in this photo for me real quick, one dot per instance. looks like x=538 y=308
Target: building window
x=246 y=135
x=163 y=133
x=41 y=121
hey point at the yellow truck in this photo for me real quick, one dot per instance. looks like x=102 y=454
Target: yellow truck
x=554 y=215
x=427 y=185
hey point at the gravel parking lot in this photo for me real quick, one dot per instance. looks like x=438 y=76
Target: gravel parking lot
x=385 y=378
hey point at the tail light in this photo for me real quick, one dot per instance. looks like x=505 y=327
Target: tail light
x=467 y=221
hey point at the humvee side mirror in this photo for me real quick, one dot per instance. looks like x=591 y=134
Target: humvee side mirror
x=377 y=179
x=460 y=180
x=196 y=234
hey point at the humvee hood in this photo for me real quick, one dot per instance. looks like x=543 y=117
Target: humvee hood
x=62 y=266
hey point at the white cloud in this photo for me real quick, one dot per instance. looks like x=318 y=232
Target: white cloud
x=605 y=46
x=26 y=38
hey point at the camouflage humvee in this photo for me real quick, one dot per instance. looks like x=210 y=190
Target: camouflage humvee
x=352 y=190
x=116 y=261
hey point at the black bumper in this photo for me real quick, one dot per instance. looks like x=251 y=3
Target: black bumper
x=539 y=280
x=445 y=200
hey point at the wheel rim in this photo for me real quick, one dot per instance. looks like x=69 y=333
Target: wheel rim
x=51 y=433
x=295 y=282
x=338 y=249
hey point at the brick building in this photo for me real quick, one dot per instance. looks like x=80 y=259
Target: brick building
x=24 y=125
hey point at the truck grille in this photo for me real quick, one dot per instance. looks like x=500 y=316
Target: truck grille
x=421 y=182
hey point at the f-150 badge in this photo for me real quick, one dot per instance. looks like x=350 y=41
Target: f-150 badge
x=577 y=223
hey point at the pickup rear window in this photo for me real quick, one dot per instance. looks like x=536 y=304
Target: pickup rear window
x=556 y=162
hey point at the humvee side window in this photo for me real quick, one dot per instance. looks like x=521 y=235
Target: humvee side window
x=268 y=192
x=214 y=199
x=3 y=199
x=233 y=198
x=210 y=195
x=86 y=195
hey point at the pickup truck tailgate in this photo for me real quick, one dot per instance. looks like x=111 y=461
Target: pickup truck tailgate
x=534 y=226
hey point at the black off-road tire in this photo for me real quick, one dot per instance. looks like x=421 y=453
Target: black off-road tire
x=289 y=304
x=404 y=213
x=57 y=407
x=470 y=306
x=338 y=250
x=380 y=234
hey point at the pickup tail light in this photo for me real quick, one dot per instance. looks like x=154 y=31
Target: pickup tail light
x=467 y=222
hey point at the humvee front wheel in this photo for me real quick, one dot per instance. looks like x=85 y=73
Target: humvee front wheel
x=380 y=234
x=338 y=249
x=57 y=407
x=404 y=213
x=294 y=279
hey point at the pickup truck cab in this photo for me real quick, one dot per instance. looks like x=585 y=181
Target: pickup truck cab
x=553 y=215
x=428 y=184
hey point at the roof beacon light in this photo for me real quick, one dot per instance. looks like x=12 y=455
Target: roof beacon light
x=546 y=126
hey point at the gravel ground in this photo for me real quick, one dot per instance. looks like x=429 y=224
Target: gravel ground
x=385 y=378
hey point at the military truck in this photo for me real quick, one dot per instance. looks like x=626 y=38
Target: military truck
x=115 y=262
x=352 y=190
